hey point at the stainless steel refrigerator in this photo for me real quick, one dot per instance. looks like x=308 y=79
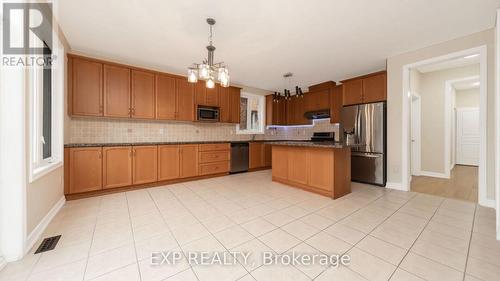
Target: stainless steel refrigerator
x=364 y=129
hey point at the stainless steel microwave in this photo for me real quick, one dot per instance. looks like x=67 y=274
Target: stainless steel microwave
x=207 y=113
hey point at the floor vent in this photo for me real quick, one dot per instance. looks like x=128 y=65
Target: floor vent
x=48 y=244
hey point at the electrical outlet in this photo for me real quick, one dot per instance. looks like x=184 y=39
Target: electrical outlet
x=129 y=130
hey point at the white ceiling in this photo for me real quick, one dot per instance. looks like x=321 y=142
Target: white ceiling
x=261 y=39
x=467 y=84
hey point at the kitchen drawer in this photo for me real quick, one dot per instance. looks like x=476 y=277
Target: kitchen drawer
x=214 y=156
x=214 y=146
x=214 y=168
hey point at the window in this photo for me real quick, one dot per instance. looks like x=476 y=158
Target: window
x=251 y=114
x=46 y=113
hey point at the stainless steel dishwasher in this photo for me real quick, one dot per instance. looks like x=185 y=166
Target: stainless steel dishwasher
x=239 y=157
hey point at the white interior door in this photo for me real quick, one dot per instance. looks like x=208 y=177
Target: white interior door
x=415 y=134
x=467 y=136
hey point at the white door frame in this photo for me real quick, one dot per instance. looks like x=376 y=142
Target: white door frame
x=416 y=169
x=448 y=130
x=497 y=126
x=405 y=153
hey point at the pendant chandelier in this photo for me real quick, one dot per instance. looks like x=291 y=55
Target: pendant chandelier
x=208 y=70
x=286 y=93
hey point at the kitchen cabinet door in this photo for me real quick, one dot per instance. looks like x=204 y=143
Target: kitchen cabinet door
x=117 y=166
x=185 y=100
x=269 y=110
x=86 y=85
x=336 y=104
x=281 y=112
x=199 y=93
x=144 y=164
x=298 y=171
x=168 y=162
x=224 y=105
x=267 y=155
x=166 y=97
x=255 y=155
x=212 y=96
x=85 y=169
x=375 y=88
x=143 y=94
x=234 y=105
x=318 y=100
x=352 y=92
x=320 y=169
x=280 y=162
x=116 y=91
x=291 y=113
x=188 y=160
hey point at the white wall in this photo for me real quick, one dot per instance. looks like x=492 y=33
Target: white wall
x=467 y=98
x=395 y=95
x=432 y=92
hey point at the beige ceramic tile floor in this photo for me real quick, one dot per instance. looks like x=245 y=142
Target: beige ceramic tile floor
x=390 y=235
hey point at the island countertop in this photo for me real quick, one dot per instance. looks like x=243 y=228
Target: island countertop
x=321 y=144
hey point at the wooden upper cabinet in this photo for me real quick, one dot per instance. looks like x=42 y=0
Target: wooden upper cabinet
x=321 y=100
x=353 y=92
x=336 y=104
x=168 y=162
x=86 y=87
x=375 y=88
x=206 y=96
x=365 y=89
x=185 y=100
x=234 y=104
x=116 y=91
x=144 y=164
x=188 y=160
x=143 y=94
x=280 y=112
x=166 y=97
x=269 y=110
x=85 y=169
x=224 y=105
x=117 y=166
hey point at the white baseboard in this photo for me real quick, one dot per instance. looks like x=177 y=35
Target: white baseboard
x=40 y=228
x=490 y=203
x=434 y=175
x=395 y=186
x=3 y=263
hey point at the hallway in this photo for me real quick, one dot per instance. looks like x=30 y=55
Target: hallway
x=461 y=185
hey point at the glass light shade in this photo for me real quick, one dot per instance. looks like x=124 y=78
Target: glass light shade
x=192 y=75
x=210 y=83
x=223 y=74
x=204 y=71
x=225 y=83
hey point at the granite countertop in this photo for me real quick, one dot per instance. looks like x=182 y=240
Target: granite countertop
x=69 y=145
x=323 y=144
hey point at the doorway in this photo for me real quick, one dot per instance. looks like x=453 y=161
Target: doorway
x=446 y=113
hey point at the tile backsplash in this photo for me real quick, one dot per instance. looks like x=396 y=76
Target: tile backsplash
x=94 y=130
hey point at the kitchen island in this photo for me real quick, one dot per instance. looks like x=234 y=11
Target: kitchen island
x=319 y=167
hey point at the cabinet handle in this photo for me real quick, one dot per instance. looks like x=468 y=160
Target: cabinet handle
x=133 y=111
x=100 y=154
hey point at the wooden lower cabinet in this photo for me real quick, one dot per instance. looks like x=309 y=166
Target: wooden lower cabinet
x=326 y=171
x=96 y=168
x=297 y=168
x=144 y=164
x=117 y=166
x=259 y=155
x=188 y=160
x=85 y=169
x=280 y=162
x=168 y=162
